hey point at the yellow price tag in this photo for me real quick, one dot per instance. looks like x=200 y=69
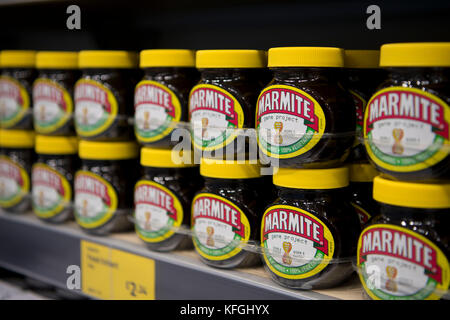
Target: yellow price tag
x=112 y=274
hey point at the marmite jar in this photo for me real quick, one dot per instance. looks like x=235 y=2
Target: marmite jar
x=16 y=82
x=163 y=197
x=104 y=186
x=309 y=234
x=52 y=177
x=224 y=100
x=406 y=123
x=161 y=97
x=226 y=213
x=403 y=253
x=361 y=190
x=362 y=76
x=104 y=95
x=304 y=117
x=16 y=159
x=53 y=92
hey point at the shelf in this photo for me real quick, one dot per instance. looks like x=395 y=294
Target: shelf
x=43 y=251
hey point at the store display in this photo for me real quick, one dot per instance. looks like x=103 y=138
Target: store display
x=406 y=123
x=361 y=190
x=53 y=92
x=104 y=186
x=16 y=159
x=16 y=82
x=52 y=177
x=161 y=97
x=362 y=76
x=403 y=253
x=224 y=99
x=104 y=95
x=226 y=213
x=309 y=233
x=163 y=197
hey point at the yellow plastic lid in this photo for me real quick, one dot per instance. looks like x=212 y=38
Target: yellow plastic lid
x=333 y=178
x=411 y=194
x=231 y=59
x=17 y=58
x=57 y=60
x=418 y=54
x=306 y=57
x=92 y=150
x=56 y=145
x=229 y=169
x=107 y=59
x=362 y=172
x=361 y=59
x=167 y=58
x=163 y=158
x=16 y=138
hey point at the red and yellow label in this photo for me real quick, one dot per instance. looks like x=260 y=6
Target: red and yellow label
x=220 y=227
x=51 y=192
x=398 y=264
x=406 y=129
x=96 y=108
x=214 y=114
x=95 y=200
x=157 y=211
x=14 y=102
x=296 y=244
x=289 y=121
x=14 y=182
x=52 y=105
x=363 y=215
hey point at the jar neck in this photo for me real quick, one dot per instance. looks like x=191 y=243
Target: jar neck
x=152 y=171
x=307 y=74
x=397 y=213
x=226 y=183
x=432 y=75
x=307 y=194
x=231 y=74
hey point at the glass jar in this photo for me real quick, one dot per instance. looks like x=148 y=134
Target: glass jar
x=53 y=92
x=309 y=233
x=52 y=177
x=16 y=80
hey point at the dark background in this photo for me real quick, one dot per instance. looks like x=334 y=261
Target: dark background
x=213 y=24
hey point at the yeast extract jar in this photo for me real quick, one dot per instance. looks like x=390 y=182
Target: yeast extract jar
x=309 y=234
x=104 y=186
x=406 y=123
x=52 y=177
x=104 y=95
x=163 y=197
x=226 y=213
x=361 y=190
x=161 y=97
x=224 y=100
x=304 y=117
x=16 y=80
x=403 y=253
x=16 y=158
x=53 y=92
x=361 y=78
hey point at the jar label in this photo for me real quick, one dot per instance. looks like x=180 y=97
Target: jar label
x=398 y=264
x=363 y=215
x=52 y=105
x=214 y=114
x=96 y=108
x=14 y=102
x=289 y=121
x=296 y=244
x=51 y=192
x=14 y=182
x=360 y=105
x=406 y=129
x=157 y=110
x=157 y=211
x=95 y=200
x=219 y=226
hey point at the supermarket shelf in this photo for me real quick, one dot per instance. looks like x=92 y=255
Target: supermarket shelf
x=42 y=251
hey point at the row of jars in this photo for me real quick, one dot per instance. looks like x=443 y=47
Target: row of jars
x=305 y=220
